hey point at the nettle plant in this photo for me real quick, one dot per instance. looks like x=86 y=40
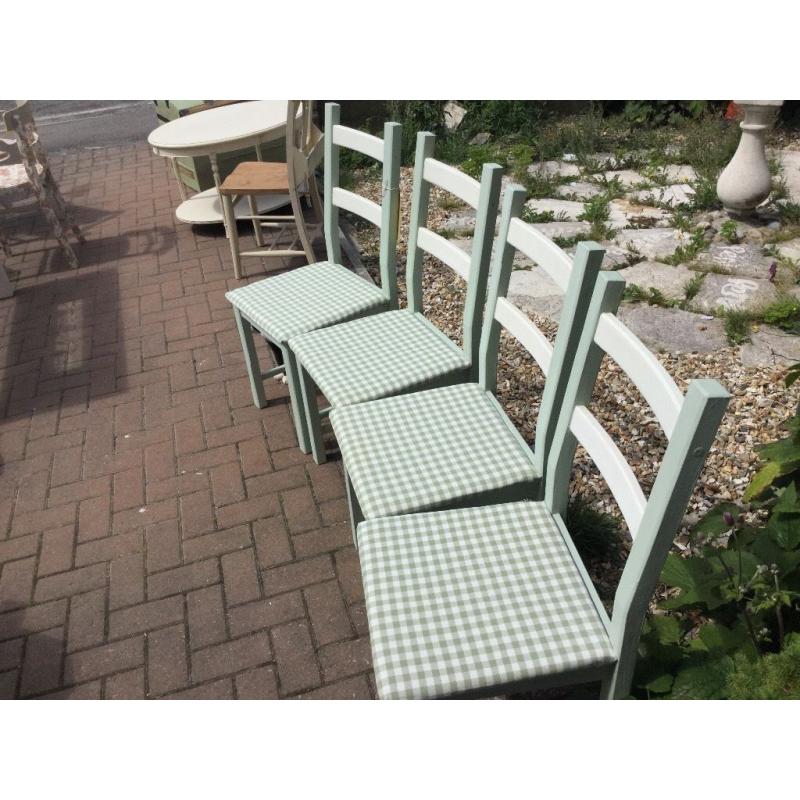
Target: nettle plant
x=732 y=628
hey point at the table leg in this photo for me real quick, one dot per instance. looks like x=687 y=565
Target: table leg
x=228 y=217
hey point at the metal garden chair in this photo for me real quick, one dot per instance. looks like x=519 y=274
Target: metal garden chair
x=455 y=446
x=482 y=601
x=400 y=350
x=324 y=293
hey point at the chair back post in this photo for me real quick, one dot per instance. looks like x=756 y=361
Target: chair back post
x=331 y=211
x=701 y=413
x=420 y=198
x=390 y=210
x=583 y=278
x=491 y=181
x=498 y=287
x=605 y=299
x=20 y=121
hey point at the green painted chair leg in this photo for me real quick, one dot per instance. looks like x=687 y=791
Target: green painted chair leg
x=312 y=416
x=356 y=516
x=251 y=359
x=295 y=395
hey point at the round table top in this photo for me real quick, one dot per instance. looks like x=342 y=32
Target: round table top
x=219 y=130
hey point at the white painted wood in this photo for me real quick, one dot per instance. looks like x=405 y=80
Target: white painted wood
x=364 y=143
x=205 y=208
x=542 y=250
x=525 y=332
x=452 y=180
x=445 y=251
x=612 y=465
x=220 y=130
x=643 y=368
x=357 y=205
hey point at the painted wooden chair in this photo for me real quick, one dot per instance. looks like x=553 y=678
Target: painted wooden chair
x=401 y=351
x=27 y=172
x=455 y=446
x=324 y=293
x=486 y=600
x=250 y=179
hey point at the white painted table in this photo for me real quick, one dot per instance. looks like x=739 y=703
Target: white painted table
x=215 y=131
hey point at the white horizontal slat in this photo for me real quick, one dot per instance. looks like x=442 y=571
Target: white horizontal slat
x=445 y=251
x=525 y=332
x=358 y=205
x=541 y=249
x=643 y=368
x=452 y=180
x=612 y=465
x=365 y=143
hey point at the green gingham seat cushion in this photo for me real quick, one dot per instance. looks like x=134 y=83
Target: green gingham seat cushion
x=378 y=356
x=305 y=299
x=475 y=598
x=432 y=449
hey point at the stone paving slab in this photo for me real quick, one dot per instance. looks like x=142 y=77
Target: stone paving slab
x=669 y=280
x=565 y=230
x=560 y=209
x=582 y=190
x=674 y=330
x=551 y=169
x=159 y=535
x=743 y=260
x=733 y=293
x=623 y=213
x=652 y=243
x=673 y=196
x=770 y=346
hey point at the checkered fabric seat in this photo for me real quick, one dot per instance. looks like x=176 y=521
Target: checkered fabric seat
x=431 y=449
x=472 y=598
x=305 y=299
x=378 y=356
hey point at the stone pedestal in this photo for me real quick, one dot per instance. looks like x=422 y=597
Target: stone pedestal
x=745 y=183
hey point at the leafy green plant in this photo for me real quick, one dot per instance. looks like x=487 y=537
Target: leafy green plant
x=692 y=286
x=729 y=627
x=529 y=215
x=737 y=326
x=688 y=252
x=789 y=212
x=596 y=535
x=705 y=195
x=784 y=313
x=596 y=212
x=729 y=231
x=652 y=296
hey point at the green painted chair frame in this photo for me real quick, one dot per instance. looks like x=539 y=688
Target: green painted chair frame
x=576 y=277
x=690 y=423
x=385 y=216
x=473 y=268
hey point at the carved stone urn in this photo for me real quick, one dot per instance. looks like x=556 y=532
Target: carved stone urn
x=745 y=183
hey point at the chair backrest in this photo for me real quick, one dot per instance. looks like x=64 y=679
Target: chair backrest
x=573 y=276
x=474 y=269
x=689 y=422
x=304 y=141
x=385 y=216
x=19 y=120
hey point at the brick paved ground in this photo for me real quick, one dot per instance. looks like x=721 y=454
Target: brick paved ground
x=159 y=536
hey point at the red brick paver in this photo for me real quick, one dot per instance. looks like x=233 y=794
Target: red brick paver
x=159 y=536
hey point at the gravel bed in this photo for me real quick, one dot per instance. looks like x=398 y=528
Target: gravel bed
x=759 y=404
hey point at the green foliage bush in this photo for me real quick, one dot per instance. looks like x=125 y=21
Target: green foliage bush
x=731 y=628
x=785 y=313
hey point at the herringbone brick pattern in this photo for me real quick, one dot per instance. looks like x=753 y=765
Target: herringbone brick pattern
x=159 y=536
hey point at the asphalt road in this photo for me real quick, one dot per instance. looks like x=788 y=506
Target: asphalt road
x=70 y=124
